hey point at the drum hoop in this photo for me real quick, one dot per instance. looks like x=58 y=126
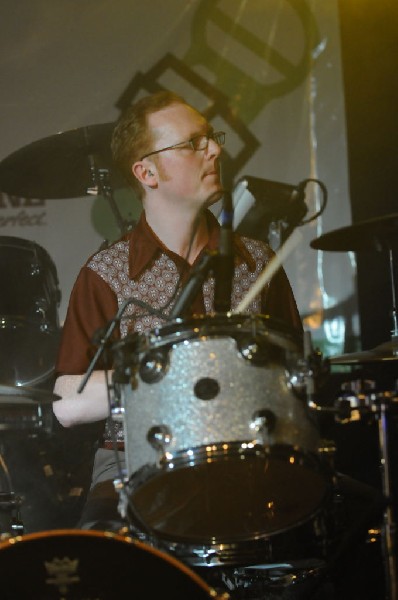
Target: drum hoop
x=36 y=249
x=207 y=324
x=226 y=325
x=10 y=500
x=203 y=454
x=118 y=537
x=18 y=321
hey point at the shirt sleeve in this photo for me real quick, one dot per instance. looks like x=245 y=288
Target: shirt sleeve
x=92 y=305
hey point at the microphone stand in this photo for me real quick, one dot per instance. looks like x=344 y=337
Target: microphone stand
x=104 y=341
x=220 y=263
x=193 y=285
x=224 y=259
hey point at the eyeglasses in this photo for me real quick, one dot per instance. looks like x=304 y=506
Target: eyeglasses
x=199 y=142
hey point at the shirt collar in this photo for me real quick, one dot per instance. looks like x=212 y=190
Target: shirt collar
x=144 y=245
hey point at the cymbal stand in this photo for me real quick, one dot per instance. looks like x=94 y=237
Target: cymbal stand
x=394 y=332
x=388 y=529
x=9 y=500
x=101 y=186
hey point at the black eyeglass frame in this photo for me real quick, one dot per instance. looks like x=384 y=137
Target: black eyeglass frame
x=217 y=136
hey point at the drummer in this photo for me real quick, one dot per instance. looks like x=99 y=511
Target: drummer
x=170 y=155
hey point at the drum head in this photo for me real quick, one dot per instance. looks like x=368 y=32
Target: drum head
x=92 y=564
x=234 y=498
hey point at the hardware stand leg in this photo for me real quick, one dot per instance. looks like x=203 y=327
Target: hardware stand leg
x=388 y=529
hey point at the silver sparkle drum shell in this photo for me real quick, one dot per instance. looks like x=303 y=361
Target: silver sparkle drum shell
x=219 y=448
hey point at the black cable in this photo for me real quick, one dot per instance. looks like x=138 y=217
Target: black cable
x=301 y=186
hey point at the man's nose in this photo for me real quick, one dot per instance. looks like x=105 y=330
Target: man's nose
x=213 y=149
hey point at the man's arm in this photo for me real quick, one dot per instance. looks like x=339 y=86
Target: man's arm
x=87 y=407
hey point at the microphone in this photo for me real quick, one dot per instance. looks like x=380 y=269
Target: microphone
x=257 y=199
x=224 y=259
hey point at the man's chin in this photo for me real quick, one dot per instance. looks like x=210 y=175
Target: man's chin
x=214 y=196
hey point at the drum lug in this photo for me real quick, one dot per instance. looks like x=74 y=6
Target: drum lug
x=41 y=308
x=298 y=379
x=159 y=437
x=154 y=365
x=263 y=422
x=254 y=350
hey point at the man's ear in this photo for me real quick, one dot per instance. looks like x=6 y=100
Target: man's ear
x=146 y=175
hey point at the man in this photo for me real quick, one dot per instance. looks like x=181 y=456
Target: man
x=171 y=156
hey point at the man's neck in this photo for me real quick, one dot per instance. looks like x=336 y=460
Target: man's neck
x=183 y=234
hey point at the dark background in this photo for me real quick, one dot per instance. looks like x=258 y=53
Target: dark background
x=369 y=43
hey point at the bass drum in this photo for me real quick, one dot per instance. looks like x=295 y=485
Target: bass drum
x=93 y=564
x=221 y=447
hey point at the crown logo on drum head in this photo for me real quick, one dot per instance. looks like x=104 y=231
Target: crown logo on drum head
x=62 y=573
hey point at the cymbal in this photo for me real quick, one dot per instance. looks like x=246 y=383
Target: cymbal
x=373 y=234
x=60 y=166
x=382 y=353
x=25 y=395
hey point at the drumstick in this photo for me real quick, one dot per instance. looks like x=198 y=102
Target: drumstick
x=270 y=269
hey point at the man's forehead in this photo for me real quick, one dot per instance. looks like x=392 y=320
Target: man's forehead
x=177 y=118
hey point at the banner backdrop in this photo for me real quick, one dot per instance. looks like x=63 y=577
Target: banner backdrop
x=268 y=73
